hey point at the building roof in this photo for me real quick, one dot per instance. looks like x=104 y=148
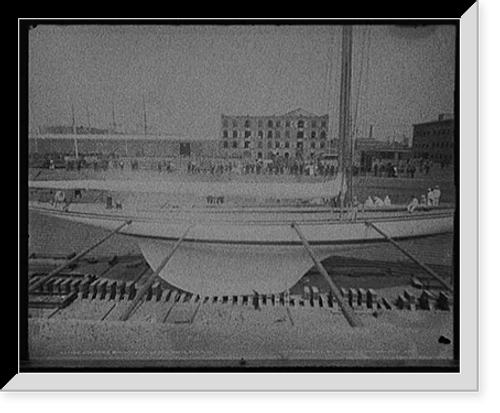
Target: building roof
x=300 y=112
x=434 y=122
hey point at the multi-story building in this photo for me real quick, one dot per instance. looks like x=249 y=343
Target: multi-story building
x=435 y=140
x=296 y=134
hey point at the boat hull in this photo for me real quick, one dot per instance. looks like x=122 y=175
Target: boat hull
x=242 y=253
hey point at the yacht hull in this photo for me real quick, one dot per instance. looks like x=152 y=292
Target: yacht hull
x=240 y=253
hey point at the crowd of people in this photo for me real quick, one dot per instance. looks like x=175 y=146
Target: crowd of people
x=426 y=201
x=262 y=167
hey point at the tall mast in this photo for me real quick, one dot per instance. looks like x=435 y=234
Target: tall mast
x=145 y=117
x=113 y=116
x=88 y=116
x=345 y=112
x=73 y=127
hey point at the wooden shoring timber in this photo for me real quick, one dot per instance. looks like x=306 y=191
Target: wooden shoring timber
x=347 y=311
x=63 y=266
x=411 y=256
x=152 y=279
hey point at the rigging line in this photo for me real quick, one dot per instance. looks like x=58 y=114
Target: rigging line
x=328 y=69
x=367 y=71
x=331 y=100
x=360 y=76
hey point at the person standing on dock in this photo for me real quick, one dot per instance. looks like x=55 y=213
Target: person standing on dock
x=430 y=197
x=437 y=195
x=355 y=208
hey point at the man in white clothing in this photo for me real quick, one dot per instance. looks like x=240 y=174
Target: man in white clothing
x=437 y=195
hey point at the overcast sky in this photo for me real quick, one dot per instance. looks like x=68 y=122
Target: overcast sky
x=189 y=75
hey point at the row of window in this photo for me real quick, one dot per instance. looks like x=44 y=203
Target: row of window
x=434 y=156
x=277 y=145
x=270 y=124
x=276 y=134
x=433 y=132
x=434 y=145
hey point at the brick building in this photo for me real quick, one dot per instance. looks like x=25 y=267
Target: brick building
x=296 y=134
x=435 y=140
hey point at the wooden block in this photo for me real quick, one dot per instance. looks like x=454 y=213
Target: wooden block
x=353 y=297
x=401 y=302
x=444 y=301
x=362 y=297
x=65 y=286
x=417 y=283
x=56 y=286
x=372 y=298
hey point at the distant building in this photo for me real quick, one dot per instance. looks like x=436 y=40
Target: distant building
x=141 y=146
x=370 y=152
x=80 y=130
x=435 y=140
x=296 y=134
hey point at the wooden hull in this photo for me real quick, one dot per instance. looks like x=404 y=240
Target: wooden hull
x=234 y=252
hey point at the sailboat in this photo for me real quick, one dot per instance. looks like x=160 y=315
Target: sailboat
x=238 y=238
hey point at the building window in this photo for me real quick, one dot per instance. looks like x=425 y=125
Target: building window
x=235 y=144
x=287 y=134
x=248 y=134
x=287 y=123
x=259 y=144
x=269 y=134
x=269 y=123
x=323 y=123
x=278 y=123
x=322 y=134
x=313 y=134
x=225 y=133
x=300 y=134
x=277 y=134
x=313 y=124
x=260 y=134
x=235 y=134
x=322 y=145
x=313 y=145
x=235 y=124
x=269 y=144
x=277 y=146
x=226 y=144
x=247 y=144
x=287 y=145
x=300 y=124
x=260 y=123
x=247 y=123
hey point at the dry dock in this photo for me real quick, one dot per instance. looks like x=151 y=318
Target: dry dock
x=74 y=319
